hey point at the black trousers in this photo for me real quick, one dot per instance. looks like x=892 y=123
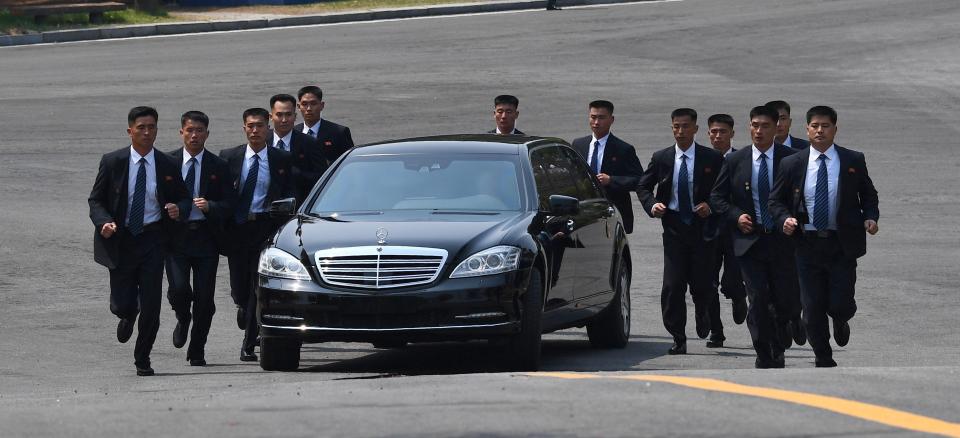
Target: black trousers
x=730 y=283
x=771 y=284
x=136 y=286
x=243 y=261
x=827 y=283
x=687 y=261
x=194 y=252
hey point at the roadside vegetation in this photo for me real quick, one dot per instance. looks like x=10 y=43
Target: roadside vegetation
x=18 y=25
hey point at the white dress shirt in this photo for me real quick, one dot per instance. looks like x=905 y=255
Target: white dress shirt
x=151 y=206
x=511 y=132
x=755 y=177
x=603 y=147
x=787 y=141
x=286 y=140
x=263 y=178
x=315 y=129
x=810 y=185
x=195 y=213
x=691 y=156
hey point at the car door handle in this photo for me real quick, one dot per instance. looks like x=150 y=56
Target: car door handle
x=610 y=211
x=570 y=224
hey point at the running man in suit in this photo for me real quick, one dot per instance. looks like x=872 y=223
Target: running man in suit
x=783 y=126
x=505 y=113
x=334 y=139
x=308 y=163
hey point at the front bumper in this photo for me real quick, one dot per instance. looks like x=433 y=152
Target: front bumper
x=450 y=309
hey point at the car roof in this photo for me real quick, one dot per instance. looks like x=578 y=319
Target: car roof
x=460 y=143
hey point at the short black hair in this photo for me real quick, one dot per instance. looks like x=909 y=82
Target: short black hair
x=506 y=99
x=283 y=98
x=779 y=105
x=256 y=112
x=605 y=104
x=726 y=119
x=310 y=89
x=765 y=111
x=141 y=111
x=196 y=117
x=681 y=112
x=822 y=110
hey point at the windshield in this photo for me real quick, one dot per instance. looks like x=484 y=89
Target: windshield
x=460 y=182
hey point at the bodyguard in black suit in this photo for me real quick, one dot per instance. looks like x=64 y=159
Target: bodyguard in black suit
x=766 y=260
x=824 y=197
x=333 y=139
x=195 y=243
x=783 y=128
x=308 y=163
x=612 y=160
x=137 y=193
x=259 y=175
x=720 y=130
x=506 y=109
x=683 y=175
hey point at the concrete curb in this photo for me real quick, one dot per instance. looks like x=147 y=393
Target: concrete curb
x=62 y=36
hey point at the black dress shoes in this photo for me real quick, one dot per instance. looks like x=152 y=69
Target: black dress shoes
x=784 y=334
x=144 y=371
x=716 y=340
x=799 y=332
x=679 y=347
x=198 y=362
x=180 y=332
x=826 y=362
x=248 y=355
x=739 y=310
x=841 y=332
x=703 y=322
x=124 y=330
x=241 y=318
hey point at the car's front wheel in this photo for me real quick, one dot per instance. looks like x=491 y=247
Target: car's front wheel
x=611 y=328
x=279 y=354
x=523 y=350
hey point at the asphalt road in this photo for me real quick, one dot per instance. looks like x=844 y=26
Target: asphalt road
x=888 y=66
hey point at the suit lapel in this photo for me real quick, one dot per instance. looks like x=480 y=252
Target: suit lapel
x=123 y=165
x=236 y=166
x=609 y=154
x=206 y=168
x=844 y=160
x=667 y=182
x=272 y=164
x=698 y=168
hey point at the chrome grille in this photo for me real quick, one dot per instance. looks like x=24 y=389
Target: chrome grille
x=375 y=267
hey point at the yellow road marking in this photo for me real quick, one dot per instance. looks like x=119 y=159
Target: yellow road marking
x=865 y=411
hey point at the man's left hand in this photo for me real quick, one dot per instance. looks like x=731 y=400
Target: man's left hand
x=702 y=209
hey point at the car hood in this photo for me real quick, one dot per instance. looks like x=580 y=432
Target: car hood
x=459 y=234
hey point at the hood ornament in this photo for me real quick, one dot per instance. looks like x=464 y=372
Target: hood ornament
x=382 y=236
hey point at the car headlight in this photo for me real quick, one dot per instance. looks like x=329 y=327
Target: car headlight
x=278 y=263
x=488 y=262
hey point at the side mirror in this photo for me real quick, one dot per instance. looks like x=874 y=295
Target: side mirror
x=564 y=205
x=283 y=208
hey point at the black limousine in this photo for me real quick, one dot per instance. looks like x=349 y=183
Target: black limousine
x=447 y=238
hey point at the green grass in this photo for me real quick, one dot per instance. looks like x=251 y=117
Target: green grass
x=320 y=7
x=16 y=25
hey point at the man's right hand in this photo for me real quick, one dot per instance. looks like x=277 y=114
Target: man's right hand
x=108 y=229
x=658 y=209
x=790 y=225
x=745 y=223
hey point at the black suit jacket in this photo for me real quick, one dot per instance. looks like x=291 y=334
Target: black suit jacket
x=515 y=132
x=732 y=194
x=798 y=143
x=108 y=199
x=621 y=163
x=215 y=188
x=308 y=162
x=857 y=198
x=659 y=174
x=333 y=139
x=281 y=174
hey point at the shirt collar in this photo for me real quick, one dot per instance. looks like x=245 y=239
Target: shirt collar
x=788 y=141
x=315 y=128
x=187 y=156
x=250 y=153
x=286 y=138
x=135 y=156
x=831 y=153
x=602 y=140
x=756 y=152
x=512 y=132
x=690 y=153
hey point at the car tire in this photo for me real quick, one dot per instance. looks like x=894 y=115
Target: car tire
x=278 y=354
x=523 y=349
x=611 y=328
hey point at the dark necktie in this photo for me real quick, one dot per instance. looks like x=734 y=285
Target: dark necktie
x=683 y=192
x=821 y=207
x=246 y=193
x=595 y=158
x=135 y=224
x=763 y=192
x=312 y=133
x=190 y=180
x=281 y=145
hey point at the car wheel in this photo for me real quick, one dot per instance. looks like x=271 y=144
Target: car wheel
x=278 y=354
x=611 y=328
x=523 y=350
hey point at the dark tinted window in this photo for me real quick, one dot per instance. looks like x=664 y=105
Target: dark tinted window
x=471 y=182
x=586 y=185
x=553 y=174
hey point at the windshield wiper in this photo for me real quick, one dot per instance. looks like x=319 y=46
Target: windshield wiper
x=472 y=212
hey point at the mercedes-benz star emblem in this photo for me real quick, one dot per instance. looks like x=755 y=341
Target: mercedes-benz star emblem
x=382 y=235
